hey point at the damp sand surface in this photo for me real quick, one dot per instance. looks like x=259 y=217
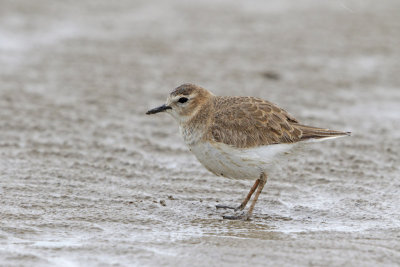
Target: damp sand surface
x=87 y=179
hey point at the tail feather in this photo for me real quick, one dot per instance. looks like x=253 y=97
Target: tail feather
x=309 y=132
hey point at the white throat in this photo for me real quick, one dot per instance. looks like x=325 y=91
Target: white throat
x=191 y=135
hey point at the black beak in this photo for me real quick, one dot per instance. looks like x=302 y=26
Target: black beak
x=158 y=109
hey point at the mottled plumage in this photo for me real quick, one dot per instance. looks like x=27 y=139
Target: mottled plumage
x=237 y=137
x=245 y=122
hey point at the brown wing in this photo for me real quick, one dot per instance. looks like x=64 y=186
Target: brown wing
x=309 y=132
x=248 y=122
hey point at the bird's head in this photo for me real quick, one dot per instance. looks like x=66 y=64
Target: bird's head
x=184 y=102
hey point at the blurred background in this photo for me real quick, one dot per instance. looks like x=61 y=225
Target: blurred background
x=86 y=179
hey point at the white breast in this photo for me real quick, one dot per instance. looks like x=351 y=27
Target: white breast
x=225 y=160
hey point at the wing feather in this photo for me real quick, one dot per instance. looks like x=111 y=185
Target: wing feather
x=248 y=122
x=245 y=122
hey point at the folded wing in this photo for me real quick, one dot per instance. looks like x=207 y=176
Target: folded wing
x=246 y=122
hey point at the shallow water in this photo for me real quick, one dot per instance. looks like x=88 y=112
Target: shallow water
x=87 y=179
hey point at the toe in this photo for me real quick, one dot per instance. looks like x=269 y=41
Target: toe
x=225 y=207
x=243 y=217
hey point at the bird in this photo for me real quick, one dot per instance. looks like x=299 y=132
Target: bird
x=238 y=137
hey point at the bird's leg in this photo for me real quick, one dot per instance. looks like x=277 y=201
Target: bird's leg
x=262 y=182
x=244 y=203
x=246 y=200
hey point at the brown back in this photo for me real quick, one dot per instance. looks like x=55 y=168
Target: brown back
x=245 y=122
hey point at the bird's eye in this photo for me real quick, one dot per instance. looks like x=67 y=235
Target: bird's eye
x=182 y=100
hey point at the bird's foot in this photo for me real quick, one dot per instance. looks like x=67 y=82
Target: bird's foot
x=226 y=207
x=243 y=217
x=240 y=207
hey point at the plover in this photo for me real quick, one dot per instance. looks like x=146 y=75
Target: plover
x=237 y=137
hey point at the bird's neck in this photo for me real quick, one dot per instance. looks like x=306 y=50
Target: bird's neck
x=195 y=129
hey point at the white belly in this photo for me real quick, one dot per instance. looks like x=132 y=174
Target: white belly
x=227 y=161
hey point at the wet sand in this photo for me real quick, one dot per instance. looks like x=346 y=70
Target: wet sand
x=87 y=179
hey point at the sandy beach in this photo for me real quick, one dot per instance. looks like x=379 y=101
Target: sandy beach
x=87 y=179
